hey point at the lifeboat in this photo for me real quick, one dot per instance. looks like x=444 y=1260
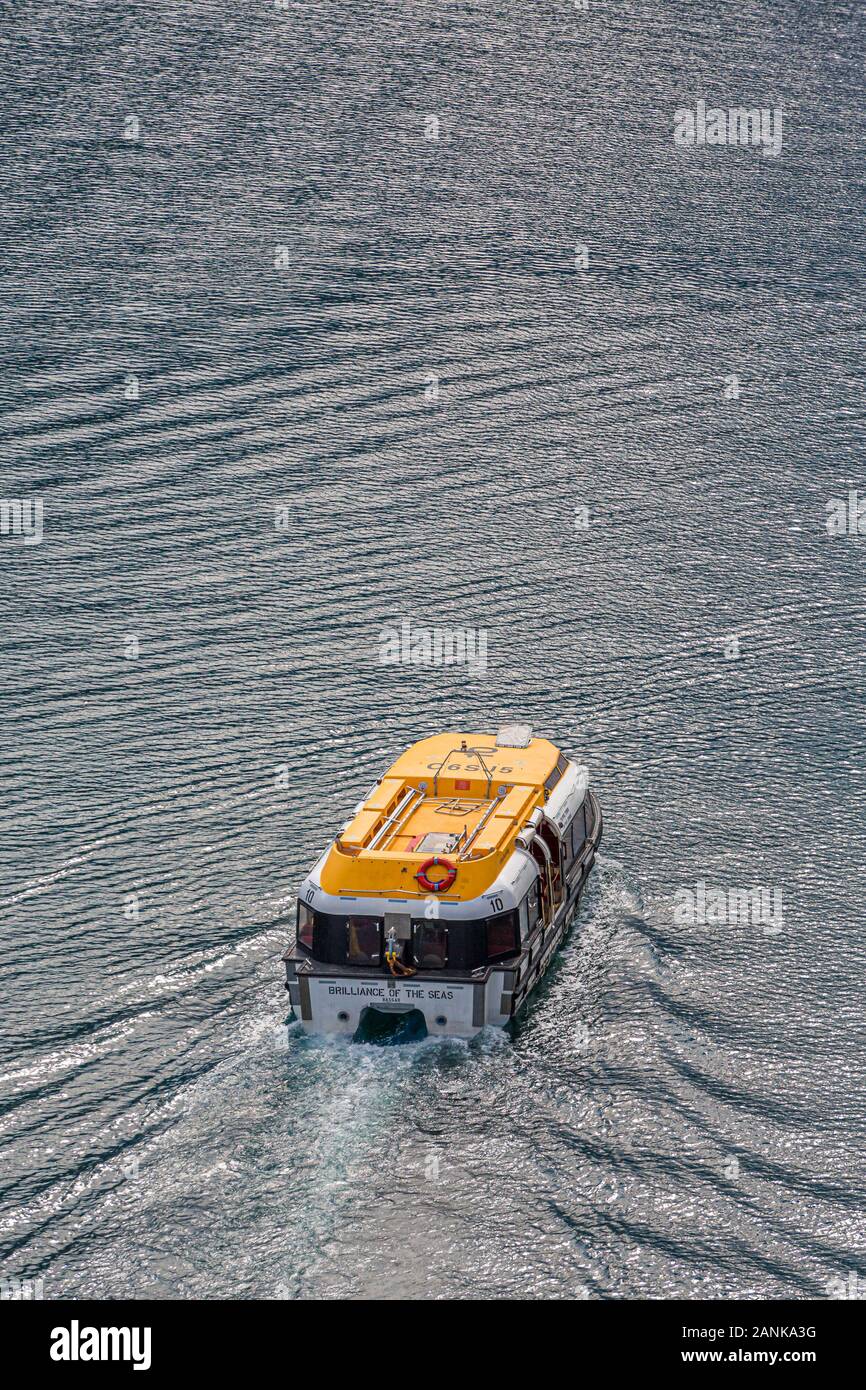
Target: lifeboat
x=449 y=891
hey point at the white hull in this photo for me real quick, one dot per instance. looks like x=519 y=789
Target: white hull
x=450 y=1008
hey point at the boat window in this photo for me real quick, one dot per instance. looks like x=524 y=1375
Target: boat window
x=306 y=922
x=556 y=774
x=467 y=941
x=363 y=940
x=567 y=847
x=578 y=830
x=573 y=837
x=430 y=945
x=502 y=935
x=533 y=908
x=524 y=919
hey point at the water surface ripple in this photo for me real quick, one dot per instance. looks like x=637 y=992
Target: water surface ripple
x=681 y=1112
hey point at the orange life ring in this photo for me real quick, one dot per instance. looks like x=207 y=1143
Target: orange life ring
x=440 y=884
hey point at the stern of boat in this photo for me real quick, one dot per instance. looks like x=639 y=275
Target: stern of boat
x=335 y=1003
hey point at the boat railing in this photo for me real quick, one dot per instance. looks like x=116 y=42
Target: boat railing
x=474 y=753
x=500 y=795
x=407 y=801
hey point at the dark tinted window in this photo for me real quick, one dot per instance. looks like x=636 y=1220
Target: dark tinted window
x=574 y=837
x=332 y=938
x=363 y=940
x=305 y=926
x=524 y=920
x=567 y=847
x=578 y=830
x=557 y=773
x=533 y=906
x=467 y=943
x=431 y=945
x=502 y=938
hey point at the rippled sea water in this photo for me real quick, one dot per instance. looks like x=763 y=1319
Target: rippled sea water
x=240 y=305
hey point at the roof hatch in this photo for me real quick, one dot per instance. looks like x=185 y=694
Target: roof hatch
x=514 y=736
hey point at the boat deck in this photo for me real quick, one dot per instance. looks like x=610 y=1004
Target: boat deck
x=462 y=796
x=405 y=819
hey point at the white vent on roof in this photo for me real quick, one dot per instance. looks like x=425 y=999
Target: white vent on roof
x=514 y=736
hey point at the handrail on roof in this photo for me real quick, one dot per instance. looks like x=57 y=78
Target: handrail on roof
x=476 y=753
x=404 y=801
x=500 y=796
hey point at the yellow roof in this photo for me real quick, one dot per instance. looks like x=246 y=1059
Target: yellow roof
x=456 y=795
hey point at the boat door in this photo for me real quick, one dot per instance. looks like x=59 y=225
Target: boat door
x=542 y=856
x=548 y=834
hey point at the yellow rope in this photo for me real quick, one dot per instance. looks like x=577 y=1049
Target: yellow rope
x=396 y=966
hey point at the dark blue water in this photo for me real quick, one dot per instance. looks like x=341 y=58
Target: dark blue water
x=681 y=1112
